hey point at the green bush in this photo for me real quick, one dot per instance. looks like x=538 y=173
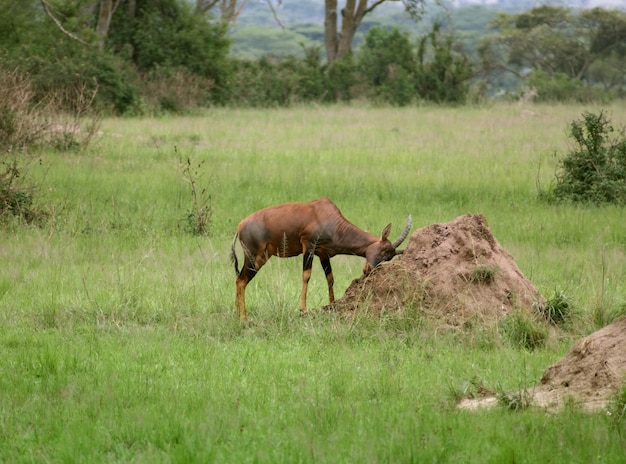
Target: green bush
x=168 y=34
x=267 y=82
x=558 y=87
x=386 y=62
x=595 y=171
x=342 y=79
x=311 y=77
x=67 y=65
x=442 y=74
x=15 y=200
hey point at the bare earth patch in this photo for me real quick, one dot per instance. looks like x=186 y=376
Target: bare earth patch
x=458 y=274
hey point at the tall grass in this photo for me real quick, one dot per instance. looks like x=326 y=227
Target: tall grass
x=117 y=329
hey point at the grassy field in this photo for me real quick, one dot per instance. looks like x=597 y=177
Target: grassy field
x=117 y=332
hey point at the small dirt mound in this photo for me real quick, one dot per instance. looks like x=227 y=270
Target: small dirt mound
x=589 y=374
x=456 y=272
x=592 y=370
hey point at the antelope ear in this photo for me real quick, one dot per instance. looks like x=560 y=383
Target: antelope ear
x=385 y=233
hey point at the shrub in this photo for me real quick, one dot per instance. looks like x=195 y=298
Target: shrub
x=175 y=90
x=198 y=219
x=268 y=82
x=558 y=87
x=62 y=120
x=312 y=81
x=386 y=62
x=442 y=74
x=67 y=65
x=14 y=199
x=169 y=34
x=19 y=127
x=342 y=79
x=595 y=171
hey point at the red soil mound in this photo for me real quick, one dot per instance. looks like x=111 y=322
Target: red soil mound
x=456 y=272
x=589 y=374
x=592 y=370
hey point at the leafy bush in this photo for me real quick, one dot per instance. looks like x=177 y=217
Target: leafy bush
x=595 y=171
x=168 y=34
x=386 y=62
x=19 y=127
x=16 y=199
x=267 y=82
x=62 y=120
x=442 y=74
x=67 y=65
x=342 y=79
x=558 y=87
x=175 y=90
x=312 y=79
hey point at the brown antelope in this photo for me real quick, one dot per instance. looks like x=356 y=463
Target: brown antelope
x=315 y=228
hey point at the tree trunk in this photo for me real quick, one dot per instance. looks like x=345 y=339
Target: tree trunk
x=132 y=8
x=104 y=21
x=351 y=17
x=338 y=45
x=107 y=8
x=331 y=39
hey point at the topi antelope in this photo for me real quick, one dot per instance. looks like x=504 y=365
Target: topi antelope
x=315 y=228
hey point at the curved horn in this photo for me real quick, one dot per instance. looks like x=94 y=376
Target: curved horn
x=405 y=232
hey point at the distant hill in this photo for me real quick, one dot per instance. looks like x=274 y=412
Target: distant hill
x=528 y=4
x=256 y=33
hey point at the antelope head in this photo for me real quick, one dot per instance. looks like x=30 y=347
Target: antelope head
x=384 y=250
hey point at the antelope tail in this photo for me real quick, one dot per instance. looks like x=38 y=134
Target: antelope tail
x=405 y=232
x=233 y=255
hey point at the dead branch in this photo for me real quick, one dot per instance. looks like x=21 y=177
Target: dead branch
x=46 y=7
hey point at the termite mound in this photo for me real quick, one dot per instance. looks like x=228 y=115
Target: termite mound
x=589 y=375
x=455 y=272
x=459 y=276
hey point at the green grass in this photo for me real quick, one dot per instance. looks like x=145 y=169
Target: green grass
x=117 y=331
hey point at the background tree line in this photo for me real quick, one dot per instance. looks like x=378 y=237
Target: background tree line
x=138 y=56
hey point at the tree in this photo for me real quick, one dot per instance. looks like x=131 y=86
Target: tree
x=387 y=63
x=172 y=34
x=105 y=10
x=557 y=41
x=112 y=44
x=338 y=42
x=338 y=37
x=229 y=9
x=442 y=73
x=595 y=170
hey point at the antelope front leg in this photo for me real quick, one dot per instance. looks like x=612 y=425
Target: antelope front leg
x=328 y=271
